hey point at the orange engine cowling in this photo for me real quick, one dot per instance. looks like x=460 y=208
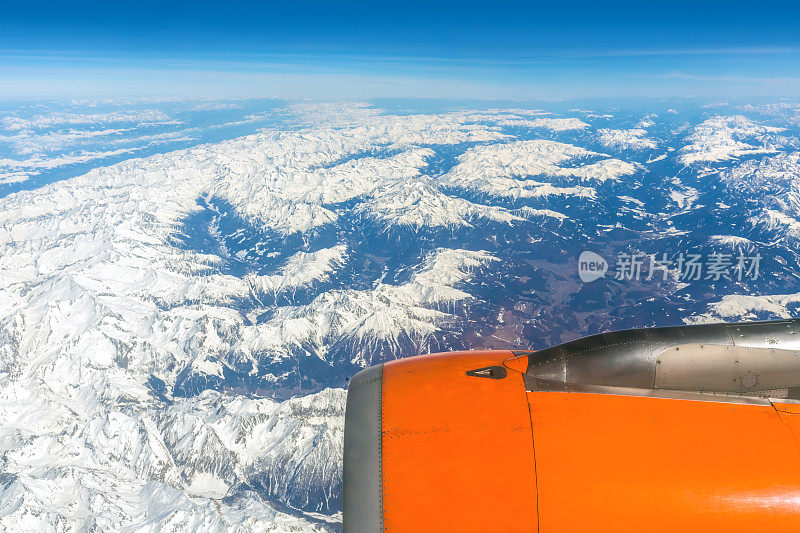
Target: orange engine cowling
x=509 y=441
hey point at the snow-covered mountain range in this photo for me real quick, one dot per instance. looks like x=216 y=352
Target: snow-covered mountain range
x=177 y=330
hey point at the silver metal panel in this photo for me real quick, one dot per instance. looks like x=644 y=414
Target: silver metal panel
x=728 y=369
x=782 y=334
x=628 y=359
x=363 y=477
x=671 y=394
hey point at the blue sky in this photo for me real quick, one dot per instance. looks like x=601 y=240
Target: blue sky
x=360 y=49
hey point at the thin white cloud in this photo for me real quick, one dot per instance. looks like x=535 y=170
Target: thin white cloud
x=54 y=120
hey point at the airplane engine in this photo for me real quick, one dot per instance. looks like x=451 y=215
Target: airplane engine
x=689 y=427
